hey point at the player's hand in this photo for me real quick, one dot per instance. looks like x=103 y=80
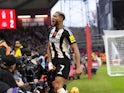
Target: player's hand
x=79 y=70
x=51 y=67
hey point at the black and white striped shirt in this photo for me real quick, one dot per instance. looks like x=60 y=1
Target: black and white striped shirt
x=60 y=42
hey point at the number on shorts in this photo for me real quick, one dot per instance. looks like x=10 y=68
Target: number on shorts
x=60 y=71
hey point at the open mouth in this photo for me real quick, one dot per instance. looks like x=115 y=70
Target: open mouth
x=53 y=21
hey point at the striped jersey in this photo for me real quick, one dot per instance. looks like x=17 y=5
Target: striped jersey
x=60 y=42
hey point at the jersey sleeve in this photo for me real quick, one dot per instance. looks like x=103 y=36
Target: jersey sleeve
x=70 y=37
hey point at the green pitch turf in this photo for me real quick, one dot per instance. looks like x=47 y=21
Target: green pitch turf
x=99 y=83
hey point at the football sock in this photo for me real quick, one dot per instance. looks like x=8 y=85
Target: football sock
x=61 y=90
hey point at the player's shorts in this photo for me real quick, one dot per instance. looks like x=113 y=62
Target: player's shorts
x=62 y=67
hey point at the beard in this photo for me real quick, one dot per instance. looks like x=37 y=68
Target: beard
x=55 y=23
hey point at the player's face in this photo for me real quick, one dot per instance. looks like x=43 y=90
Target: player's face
x=55 y=19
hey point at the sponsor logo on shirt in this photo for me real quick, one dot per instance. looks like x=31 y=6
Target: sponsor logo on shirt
x=54 y=40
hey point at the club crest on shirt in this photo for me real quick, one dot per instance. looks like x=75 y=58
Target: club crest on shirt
x=72 y=39
x=54 y=34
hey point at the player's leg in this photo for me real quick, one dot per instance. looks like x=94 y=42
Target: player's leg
x=62 y=70
x=58 y=84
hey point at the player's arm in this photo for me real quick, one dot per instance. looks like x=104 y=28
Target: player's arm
x=76 y=54
x=50 y=65
x=49 y=52
x=77 y=58
x=72 y=41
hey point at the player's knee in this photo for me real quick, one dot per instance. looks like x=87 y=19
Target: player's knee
x=57 y=85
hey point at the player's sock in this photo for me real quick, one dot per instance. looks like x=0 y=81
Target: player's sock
x=61 y=90
x=64 y=86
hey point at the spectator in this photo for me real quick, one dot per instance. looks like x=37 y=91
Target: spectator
x=18 y=47
x=7 y=68
x=4 y=48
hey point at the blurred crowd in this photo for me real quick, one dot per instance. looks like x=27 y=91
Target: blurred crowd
x=34 y=37
x=23 y=60
x=97 y=60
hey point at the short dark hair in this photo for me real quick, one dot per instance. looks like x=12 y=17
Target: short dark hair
x=61 y=14
x=9 y=60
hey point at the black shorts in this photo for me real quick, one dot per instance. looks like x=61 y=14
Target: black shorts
x=62 y=67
